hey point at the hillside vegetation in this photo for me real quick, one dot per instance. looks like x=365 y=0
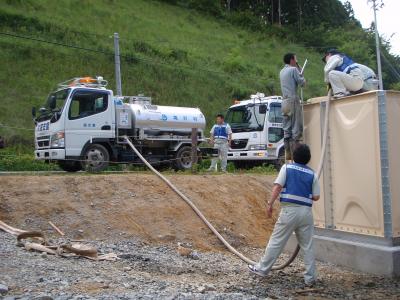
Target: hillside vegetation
x=316 y=24
x=178 y=56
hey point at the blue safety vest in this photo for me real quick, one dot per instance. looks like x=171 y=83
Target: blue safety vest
x=220 y=131
x=298 y=186
x=347 y=65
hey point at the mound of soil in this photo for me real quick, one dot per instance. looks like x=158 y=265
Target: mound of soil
x=141 y=206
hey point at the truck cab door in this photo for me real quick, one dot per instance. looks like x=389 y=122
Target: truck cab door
x=275 y=125
x=90 y=115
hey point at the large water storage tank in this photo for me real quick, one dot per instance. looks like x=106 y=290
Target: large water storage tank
x=157 y=116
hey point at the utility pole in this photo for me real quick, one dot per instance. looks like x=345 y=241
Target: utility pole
x=279 y=12
x=378 y=50
x=300 y=13
x=117 y=64
x=272 y=12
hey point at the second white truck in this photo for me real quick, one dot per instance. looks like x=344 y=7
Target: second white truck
x=257 y=133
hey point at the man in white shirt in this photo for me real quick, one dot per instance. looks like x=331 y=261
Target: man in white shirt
x=345 y=76
x=220 y=137
x=297 y=187
x=370 y=79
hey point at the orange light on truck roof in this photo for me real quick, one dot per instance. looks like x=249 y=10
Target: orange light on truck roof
x=87 y=80
x=97 y=82
x=83 y=80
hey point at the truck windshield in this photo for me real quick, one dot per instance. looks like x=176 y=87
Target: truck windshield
x=54 y=104
x=57 y=100
x=245 y=118
x=275 y=113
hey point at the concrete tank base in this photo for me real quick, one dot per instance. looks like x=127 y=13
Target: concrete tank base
x=369 y=254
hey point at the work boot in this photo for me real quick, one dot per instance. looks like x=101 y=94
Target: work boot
x=254 y=270
x=341 y=95
x=213 y=169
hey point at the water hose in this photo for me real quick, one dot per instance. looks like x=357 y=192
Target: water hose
x=204 y=219
x=200 y=214
x=190 y=203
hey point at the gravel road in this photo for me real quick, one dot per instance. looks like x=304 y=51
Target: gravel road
x=147 y=271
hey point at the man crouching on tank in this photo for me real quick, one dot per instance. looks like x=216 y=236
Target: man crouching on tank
x=297 y=186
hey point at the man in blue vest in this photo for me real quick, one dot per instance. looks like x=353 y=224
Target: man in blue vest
x=297 y=186
x=220 y=137
x=345 y=76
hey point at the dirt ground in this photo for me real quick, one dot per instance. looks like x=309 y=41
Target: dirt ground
x=142 y=206
x=137 y=217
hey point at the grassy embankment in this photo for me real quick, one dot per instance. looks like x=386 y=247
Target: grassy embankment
x=177 y=56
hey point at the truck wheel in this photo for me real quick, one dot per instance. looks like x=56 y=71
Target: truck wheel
x=96 y=158
x=70 y=165
x=183 y=158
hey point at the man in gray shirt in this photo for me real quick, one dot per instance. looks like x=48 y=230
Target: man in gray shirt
x=291 y=78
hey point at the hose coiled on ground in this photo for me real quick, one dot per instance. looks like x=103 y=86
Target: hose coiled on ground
x=204 y=219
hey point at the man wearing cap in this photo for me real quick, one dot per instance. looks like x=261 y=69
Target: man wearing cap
x=345 y=76
x=291 y=78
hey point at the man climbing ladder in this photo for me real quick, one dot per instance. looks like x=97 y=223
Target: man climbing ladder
x=291 y=78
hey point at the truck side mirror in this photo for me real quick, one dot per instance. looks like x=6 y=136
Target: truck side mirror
x=52 y=102
x=33 y=112
x=262 y=109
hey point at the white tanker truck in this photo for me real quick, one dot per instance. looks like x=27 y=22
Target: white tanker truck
x=82 y=125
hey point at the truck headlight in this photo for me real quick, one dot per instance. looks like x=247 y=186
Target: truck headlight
x=258 y=147
x=58 y=140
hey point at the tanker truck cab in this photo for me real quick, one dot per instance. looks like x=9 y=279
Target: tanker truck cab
x=79 y=122
x=82 y=126
x=257 y=133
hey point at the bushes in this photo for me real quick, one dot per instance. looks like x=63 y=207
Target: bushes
x=234 y=64
x=11 y=159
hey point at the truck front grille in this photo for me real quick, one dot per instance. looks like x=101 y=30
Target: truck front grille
x=43 y=142
x=239 y=144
